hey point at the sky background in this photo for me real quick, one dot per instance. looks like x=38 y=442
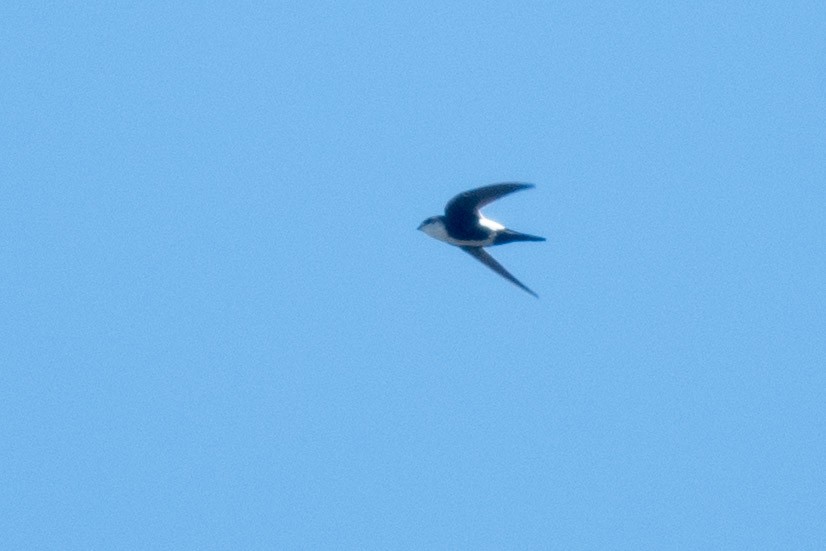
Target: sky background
x=220 y=328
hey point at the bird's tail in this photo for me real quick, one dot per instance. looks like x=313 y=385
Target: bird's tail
x=509 y=236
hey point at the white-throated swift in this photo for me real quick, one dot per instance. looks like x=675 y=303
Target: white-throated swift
x=464 y=226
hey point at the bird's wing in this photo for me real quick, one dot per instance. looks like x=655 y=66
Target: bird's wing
x=468 y=203
x=482 y=256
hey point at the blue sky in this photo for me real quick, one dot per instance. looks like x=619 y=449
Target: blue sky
x=221 y=329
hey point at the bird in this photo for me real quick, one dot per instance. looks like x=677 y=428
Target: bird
x=464 y=226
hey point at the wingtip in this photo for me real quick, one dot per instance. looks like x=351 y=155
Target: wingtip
x=522 y=185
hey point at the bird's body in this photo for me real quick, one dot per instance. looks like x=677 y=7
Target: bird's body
x=483 y=236
x=464 y=226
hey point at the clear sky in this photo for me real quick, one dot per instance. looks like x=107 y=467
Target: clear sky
x=220 y=328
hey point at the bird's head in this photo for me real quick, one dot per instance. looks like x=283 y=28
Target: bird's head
x=429 y=222
x=434 y=227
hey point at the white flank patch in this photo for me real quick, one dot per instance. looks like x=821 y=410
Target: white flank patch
x=490 y=224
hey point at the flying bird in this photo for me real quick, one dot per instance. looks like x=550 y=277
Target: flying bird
x=464 y=226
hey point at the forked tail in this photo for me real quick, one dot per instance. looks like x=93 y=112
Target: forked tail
x=510 y=236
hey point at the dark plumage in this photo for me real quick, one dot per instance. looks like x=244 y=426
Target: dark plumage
x=464 y=226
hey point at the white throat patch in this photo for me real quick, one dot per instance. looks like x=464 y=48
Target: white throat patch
x=436 y=230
